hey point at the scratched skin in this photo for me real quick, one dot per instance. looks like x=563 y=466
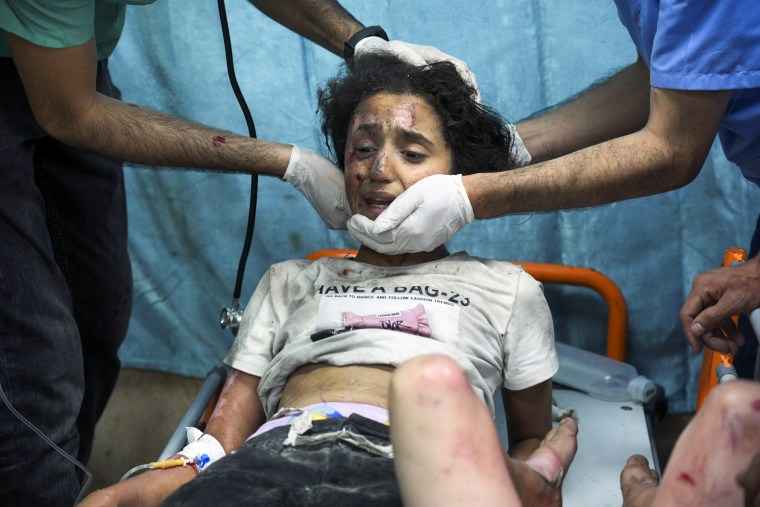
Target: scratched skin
x=715 y=449
x=393 y=142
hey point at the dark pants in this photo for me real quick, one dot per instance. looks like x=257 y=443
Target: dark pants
x=744 y=361
x=65 y=297
x=263 y=472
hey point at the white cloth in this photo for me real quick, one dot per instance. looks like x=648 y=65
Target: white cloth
x=489 y=316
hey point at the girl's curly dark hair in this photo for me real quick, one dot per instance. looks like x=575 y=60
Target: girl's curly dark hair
x=476 y=134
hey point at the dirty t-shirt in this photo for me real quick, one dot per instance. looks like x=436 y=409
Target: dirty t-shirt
x=490 y=316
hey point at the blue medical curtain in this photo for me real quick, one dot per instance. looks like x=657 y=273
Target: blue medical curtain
x=187 y=227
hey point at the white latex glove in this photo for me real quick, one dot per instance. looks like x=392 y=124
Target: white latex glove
x=422 y=218
x=414 y=54
x=322 y=183
x=520 y=155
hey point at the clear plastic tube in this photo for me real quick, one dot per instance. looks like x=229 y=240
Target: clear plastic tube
x=50 y=443
x=132 y=471
x=161 y=464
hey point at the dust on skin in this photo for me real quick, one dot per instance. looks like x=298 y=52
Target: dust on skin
x=403 y=116
x=391 y=130
x=224 y=409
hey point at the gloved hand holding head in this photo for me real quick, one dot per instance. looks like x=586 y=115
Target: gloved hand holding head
x=414 y=54
x=373 y=41
x=394 y=126
x=321 y=183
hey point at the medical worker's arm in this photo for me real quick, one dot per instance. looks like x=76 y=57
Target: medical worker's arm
x=613 y=108
x=714 y=298
x=667 y=153
x=236 y=416
x=328 y=24
x=324 y=22
x=60 y=86
x=529 y=417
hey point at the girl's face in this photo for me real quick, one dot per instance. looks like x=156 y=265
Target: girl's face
x=393 y=142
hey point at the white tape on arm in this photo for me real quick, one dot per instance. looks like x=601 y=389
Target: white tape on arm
x=203 y=448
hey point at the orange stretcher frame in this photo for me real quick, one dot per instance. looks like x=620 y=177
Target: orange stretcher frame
x=617 y=321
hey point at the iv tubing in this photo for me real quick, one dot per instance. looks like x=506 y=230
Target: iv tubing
x=50 y=443
x=162 y=464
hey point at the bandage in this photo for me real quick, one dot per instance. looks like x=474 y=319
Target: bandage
x=204 y=449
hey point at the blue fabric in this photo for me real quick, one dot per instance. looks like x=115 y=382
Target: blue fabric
x=706 y=45
x=187 y=228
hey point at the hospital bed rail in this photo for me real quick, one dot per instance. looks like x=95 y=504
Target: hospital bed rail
x=717 y=367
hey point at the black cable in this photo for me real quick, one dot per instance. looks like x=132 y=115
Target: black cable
x=251 y=133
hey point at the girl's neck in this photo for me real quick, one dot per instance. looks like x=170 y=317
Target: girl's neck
x=369 y=256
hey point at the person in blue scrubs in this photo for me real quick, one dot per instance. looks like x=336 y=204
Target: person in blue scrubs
x=645 y=130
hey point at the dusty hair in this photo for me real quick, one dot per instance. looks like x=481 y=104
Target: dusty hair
x=475 y=134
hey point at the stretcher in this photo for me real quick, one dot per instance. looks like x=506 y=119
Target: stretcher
x=717 y=367
x=609 y=432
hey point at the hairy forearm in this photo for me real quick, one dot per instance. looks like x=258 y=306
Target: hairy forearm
x=597 y=175
x=666 y=154
x=145 y=136
x=613 y=108
x=60 y=86
x=324 y=22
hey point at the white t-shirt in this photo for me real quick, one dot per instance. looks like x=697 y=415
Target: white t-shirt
x=489 y=316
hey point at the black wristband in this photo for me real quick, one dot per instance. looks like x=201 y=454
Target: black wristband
x=350 y=44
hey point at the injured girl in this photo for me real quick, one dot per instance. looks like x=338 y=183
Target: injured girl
x=304 y=416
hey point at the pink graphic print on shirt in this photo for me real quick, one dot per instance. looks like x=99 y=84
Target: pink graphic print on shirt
x=412 y=321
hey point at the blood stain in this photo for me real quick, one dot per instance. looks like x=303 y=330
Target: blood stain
x=683 y=476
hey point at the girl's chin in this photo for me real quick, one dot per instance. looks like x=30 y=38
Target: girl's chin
x=372 y=213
